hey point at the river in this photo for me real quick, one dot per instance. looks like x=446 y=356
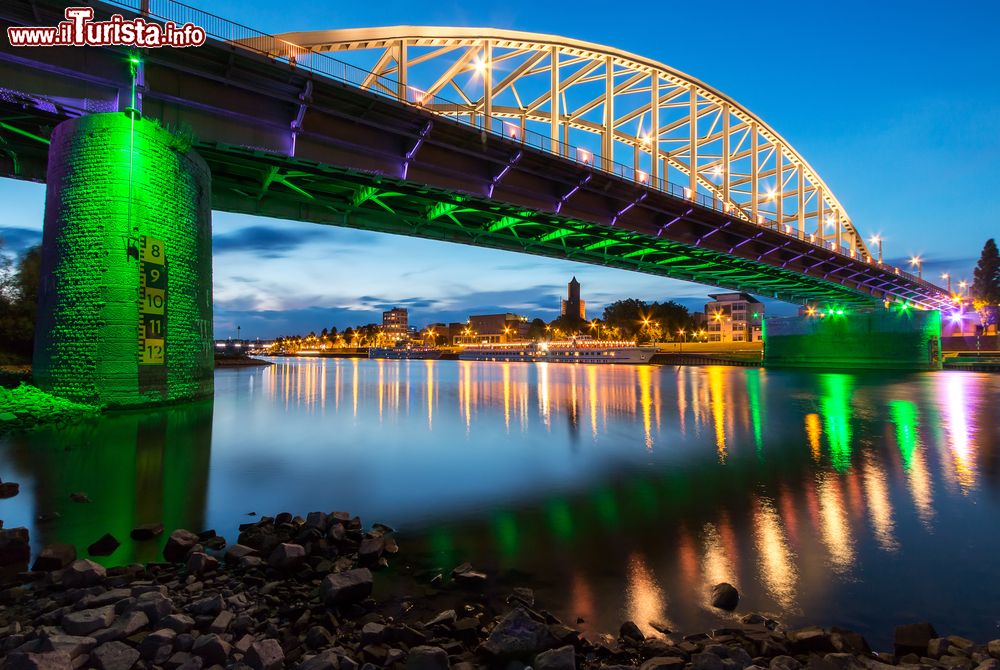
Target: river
x=618 y=492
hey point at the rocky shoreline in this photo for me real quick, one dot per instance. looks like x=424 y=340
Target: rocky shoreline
x=303 y=592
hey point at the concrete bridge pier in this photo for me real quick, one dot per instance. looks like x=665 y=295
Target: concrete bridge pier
x=896 y=339
x=125 y=306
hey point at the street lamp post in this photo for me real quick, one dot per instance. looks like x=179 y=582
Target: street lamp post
x=876 y=239
x=947 y=276
x=916 y=261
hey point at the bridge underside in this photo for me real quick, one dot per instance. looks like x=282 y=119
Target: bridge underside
x=278 y=187
x=284 y=143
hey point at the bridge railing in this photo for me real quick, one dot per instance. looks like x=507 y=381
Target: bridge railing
x=280 y=50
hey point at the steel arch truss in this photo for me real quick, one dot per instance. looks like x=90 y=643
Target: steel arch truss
x=595 y=104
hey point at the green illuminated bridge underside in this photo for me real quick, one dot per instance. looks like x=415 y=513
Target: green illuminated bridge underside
x=256 y=183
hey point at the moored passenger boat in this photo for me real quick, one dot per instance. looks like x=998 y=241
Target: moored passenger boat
x=572 y=351
x=421 y=353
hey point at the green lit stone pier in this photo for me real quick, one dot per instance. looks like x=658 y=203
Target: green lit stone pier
x=896 y=339
x=125 y=310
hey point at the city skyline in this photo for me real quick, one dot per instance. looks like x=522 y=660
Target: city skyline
x=881 y=138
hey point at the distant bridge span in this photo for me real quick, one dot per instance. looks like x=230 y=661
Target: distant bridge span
x=548 y=147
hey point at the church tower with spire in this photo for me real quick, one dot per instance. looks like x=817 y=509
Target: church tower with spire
x=572 y=305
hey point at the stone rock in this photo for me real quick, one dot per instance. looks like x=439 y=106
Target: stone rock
x=15 y=549
x=9 y=490
x=210 y=605
x=199 y=563
x=54 y=557
x=371 y=550
x=913 y=638
x=150 y=646
x=265 y=655
x=425 y=657
x=235 y=552
x=325 y=660
x=79 y=497
x=84 y=622
x=316 y=520
x=51 y=660
x=563 y=658
x=706 y=661
x=810 y=640
x=664 y=663
x=317 y=637
x=154 y=605
x=464 y=574
x=989 y=664
x=147 y=531
x=221 y=622
x=104 y=546
x=179 y=623
x=517 y=635
x=993 y=646
x=725 y=596
x=212 y=648
x=372 y=633
x=74 y=645
x=83 y=572
x=784 y=663
x=178 y=545
x=114 y=656
x=347 y=587
x=287 y=556
x=630 y=631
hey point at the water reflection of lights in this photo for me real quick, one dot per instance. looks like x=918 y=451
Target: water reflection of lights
x=834 y=527
x=879 y=504
x=962 y=448
x=717 y=565
x=592 y=397
x=644 y=601
x=646 y=402
x=813 y=432
x=717 y=402
x=506 y=395
x=543 y=391
x=777 y=566
x=429 y=371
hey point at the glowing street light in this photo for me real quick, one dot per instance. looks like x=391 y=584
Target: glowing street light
x=875 y=239
x=918 y=263
x=946 y=276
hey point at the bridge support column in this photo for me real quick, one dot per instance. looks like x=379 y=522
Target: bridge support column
x=125 y=306
x=840 y=339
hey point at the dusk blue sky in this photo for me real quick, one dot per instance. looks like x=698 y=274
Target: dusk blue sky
x=896 y=104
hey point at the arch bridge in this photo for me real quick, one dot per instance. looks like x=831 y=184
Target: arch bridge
x=521 y=141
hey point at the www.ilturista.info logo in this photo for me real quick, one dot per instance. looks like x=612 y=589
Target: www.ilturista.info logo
x=79 y=29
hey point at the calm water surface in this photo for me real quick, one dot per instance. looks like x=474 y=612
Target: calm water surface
x=861 y=500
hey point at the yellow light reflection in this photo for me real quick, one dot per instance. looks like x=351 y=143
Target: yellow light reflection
x=718 y=404
x=716 y=564
x=646 y=403
x=592 y=397
x=879 y=504
x=834 y=526
x=777 y=567
x=543 y=391
x=644 y=599
x=813 y=431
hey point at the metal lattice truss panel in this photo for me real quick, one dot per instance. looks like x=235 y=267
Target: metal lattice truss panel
x=595 y=104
